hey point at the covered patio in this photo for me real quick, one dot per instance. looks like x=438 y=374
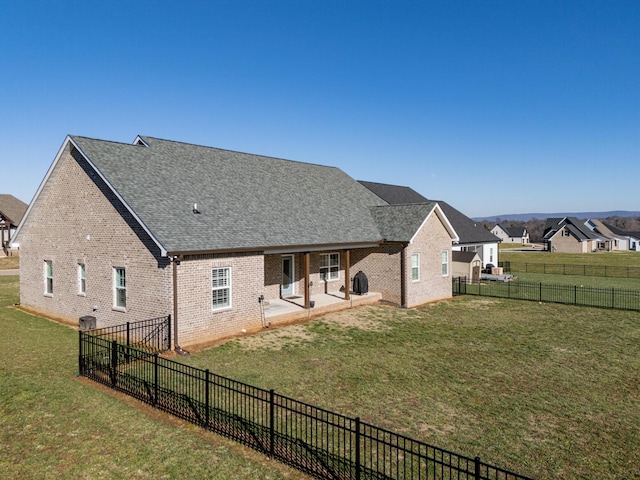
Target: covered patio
x=293 y=307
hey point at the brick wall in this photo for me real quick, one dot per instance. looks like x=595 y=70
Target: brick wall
x=76 y=219
x=198 y=322
x=429 y=242
x=382 y=268
x=569 y=244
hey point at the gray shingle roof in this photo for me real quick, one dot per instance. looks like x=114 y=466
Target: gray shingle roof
x=468 y=231
x=574 y=225
x=466 y=257
x=12 y=208
x=394 y=194
x=246 y=201
x=399 y=223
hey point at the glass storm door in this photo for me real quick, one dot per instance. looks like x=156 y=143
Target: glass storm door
x=287 y=275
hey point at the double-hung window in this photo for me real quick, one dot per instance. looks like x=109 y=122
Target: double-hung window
x=415 y=267
x=221 y=288
x=329 y=266
x=445 y=263
x=82 y=279
x=48 y=277
x=119 y=288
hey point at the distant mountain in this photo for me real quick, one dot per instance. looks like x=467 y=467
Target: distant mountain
x=525 y=217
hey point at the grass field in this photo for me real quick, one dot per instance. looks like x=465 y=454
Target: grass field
x=627 y=258
x=549 y=391
x=559 y=263
x=54 y=425
x=9 y=263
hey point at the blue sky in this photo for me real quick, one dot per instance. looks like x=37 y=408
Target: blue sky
x=494 y=106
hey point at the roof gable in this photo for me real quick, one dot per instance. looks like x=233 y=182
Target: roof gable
x=400 y=223
x=466 y=230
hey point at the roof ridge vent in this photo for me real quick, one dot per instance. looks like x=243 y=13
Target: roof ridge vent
x=139 y=141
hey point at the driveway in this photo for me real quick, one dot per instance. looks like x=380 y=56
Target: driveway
x=7 y=273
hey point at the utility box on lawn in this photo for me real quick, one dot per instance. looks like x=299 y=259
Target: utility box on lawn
x=88 y=322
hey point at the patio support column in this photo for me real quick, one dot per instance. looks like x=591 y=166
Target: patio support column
x=307 y=299
x=347 y=276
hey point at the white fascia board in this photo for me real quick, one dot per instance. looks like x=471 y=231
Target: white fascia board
x=445 y=221
x=163 y=251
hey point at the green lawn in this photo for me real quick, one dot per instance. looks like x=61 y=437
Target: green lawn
x=627 y=258
x=56 y=426
x=549 y=391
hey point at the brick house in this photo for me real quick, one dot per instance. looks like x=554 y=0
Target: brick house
x=126 y=232
x=11 y=212
x=571 y=235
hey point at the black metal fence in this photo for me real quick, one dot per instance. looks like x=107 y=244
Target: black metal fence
x=318 y=442
x=617 y=271
x=614 y=298
x=152 y=335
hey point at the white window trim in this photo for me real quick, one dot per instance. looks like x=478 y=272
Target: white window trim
x=329 y=266
x=82 y=279
x=116 y=288
x=445 y=256
x=226 y=287
x=417 y=267
x=47 y=292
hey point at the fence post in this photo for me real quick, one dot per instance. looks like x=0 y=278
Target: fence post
x=169 y=332
x=80 y=362
x=155 y=380
x=540 y=293
x=575 y=294
x=271 y=423
x=358 y=470
x=207 y=398
x=476 y=473
x=114 y=362
x=613 y=297
x=128 y=341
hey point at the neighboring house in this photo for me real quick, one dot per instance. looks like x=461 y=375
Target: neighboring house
x=571 y=235
x=618 y=241
x=11 y=213
x=511 y=234
x=634 y=241
x=630 y=239
x=126 y=232
x=473 y=237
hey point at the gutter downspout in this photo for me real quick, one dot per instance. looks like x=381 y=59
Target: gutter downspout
x=176 y=347
x=403 y=279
